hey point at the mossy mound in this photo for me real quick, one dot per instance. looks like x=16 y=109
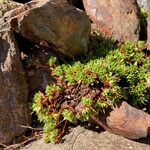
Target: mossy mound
x=87 y=87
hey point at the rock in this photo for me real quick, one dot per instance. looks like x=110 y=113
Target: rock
x=148 y=33
x=37 y=68
x=83 y=139
x=54 y=22
x=7 y=5
x=13 y=89
x=38 y=79
x=144 y=4
x=126 y=121
x=118 y=19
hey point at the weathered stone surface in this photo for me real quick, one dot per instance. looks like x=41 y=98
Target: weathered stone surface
x=83 y=139
x=126 y=121
x=13 y=89
x=37 y=69
x=148 y=33
x=43 y=54
x=144 y=4
x=118 y=19
x=38 y=79
x=54 y=22
x=6 y=5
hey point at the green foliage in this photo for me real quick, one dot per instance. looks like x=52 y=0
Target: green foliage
x=122 y=74
x=37 y=107
x=50 y=136
x=99 y=47
x=30 y=61
x=86 y=113
x=52 y=61
x=68 y=115
x=86 y=101
x=101 y=105
x=144 y=13
x=58 y=71
x=52 y=89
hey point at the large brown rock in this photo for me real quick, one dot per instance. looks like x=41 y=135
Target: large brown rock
x=13 y=89
x=118 y=19
x=54 y=22
x=126 y=121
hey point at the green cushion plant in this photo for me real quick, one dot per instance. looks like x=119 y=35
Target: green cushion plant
x=87 y=87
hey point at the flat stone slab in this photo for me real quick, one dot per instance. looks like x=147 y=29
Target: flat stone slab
x=82 y=139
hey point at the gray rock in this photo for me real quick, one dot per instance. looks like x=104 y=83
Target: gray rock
x=54 y=22
x=83 y=139
x=13 y=89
